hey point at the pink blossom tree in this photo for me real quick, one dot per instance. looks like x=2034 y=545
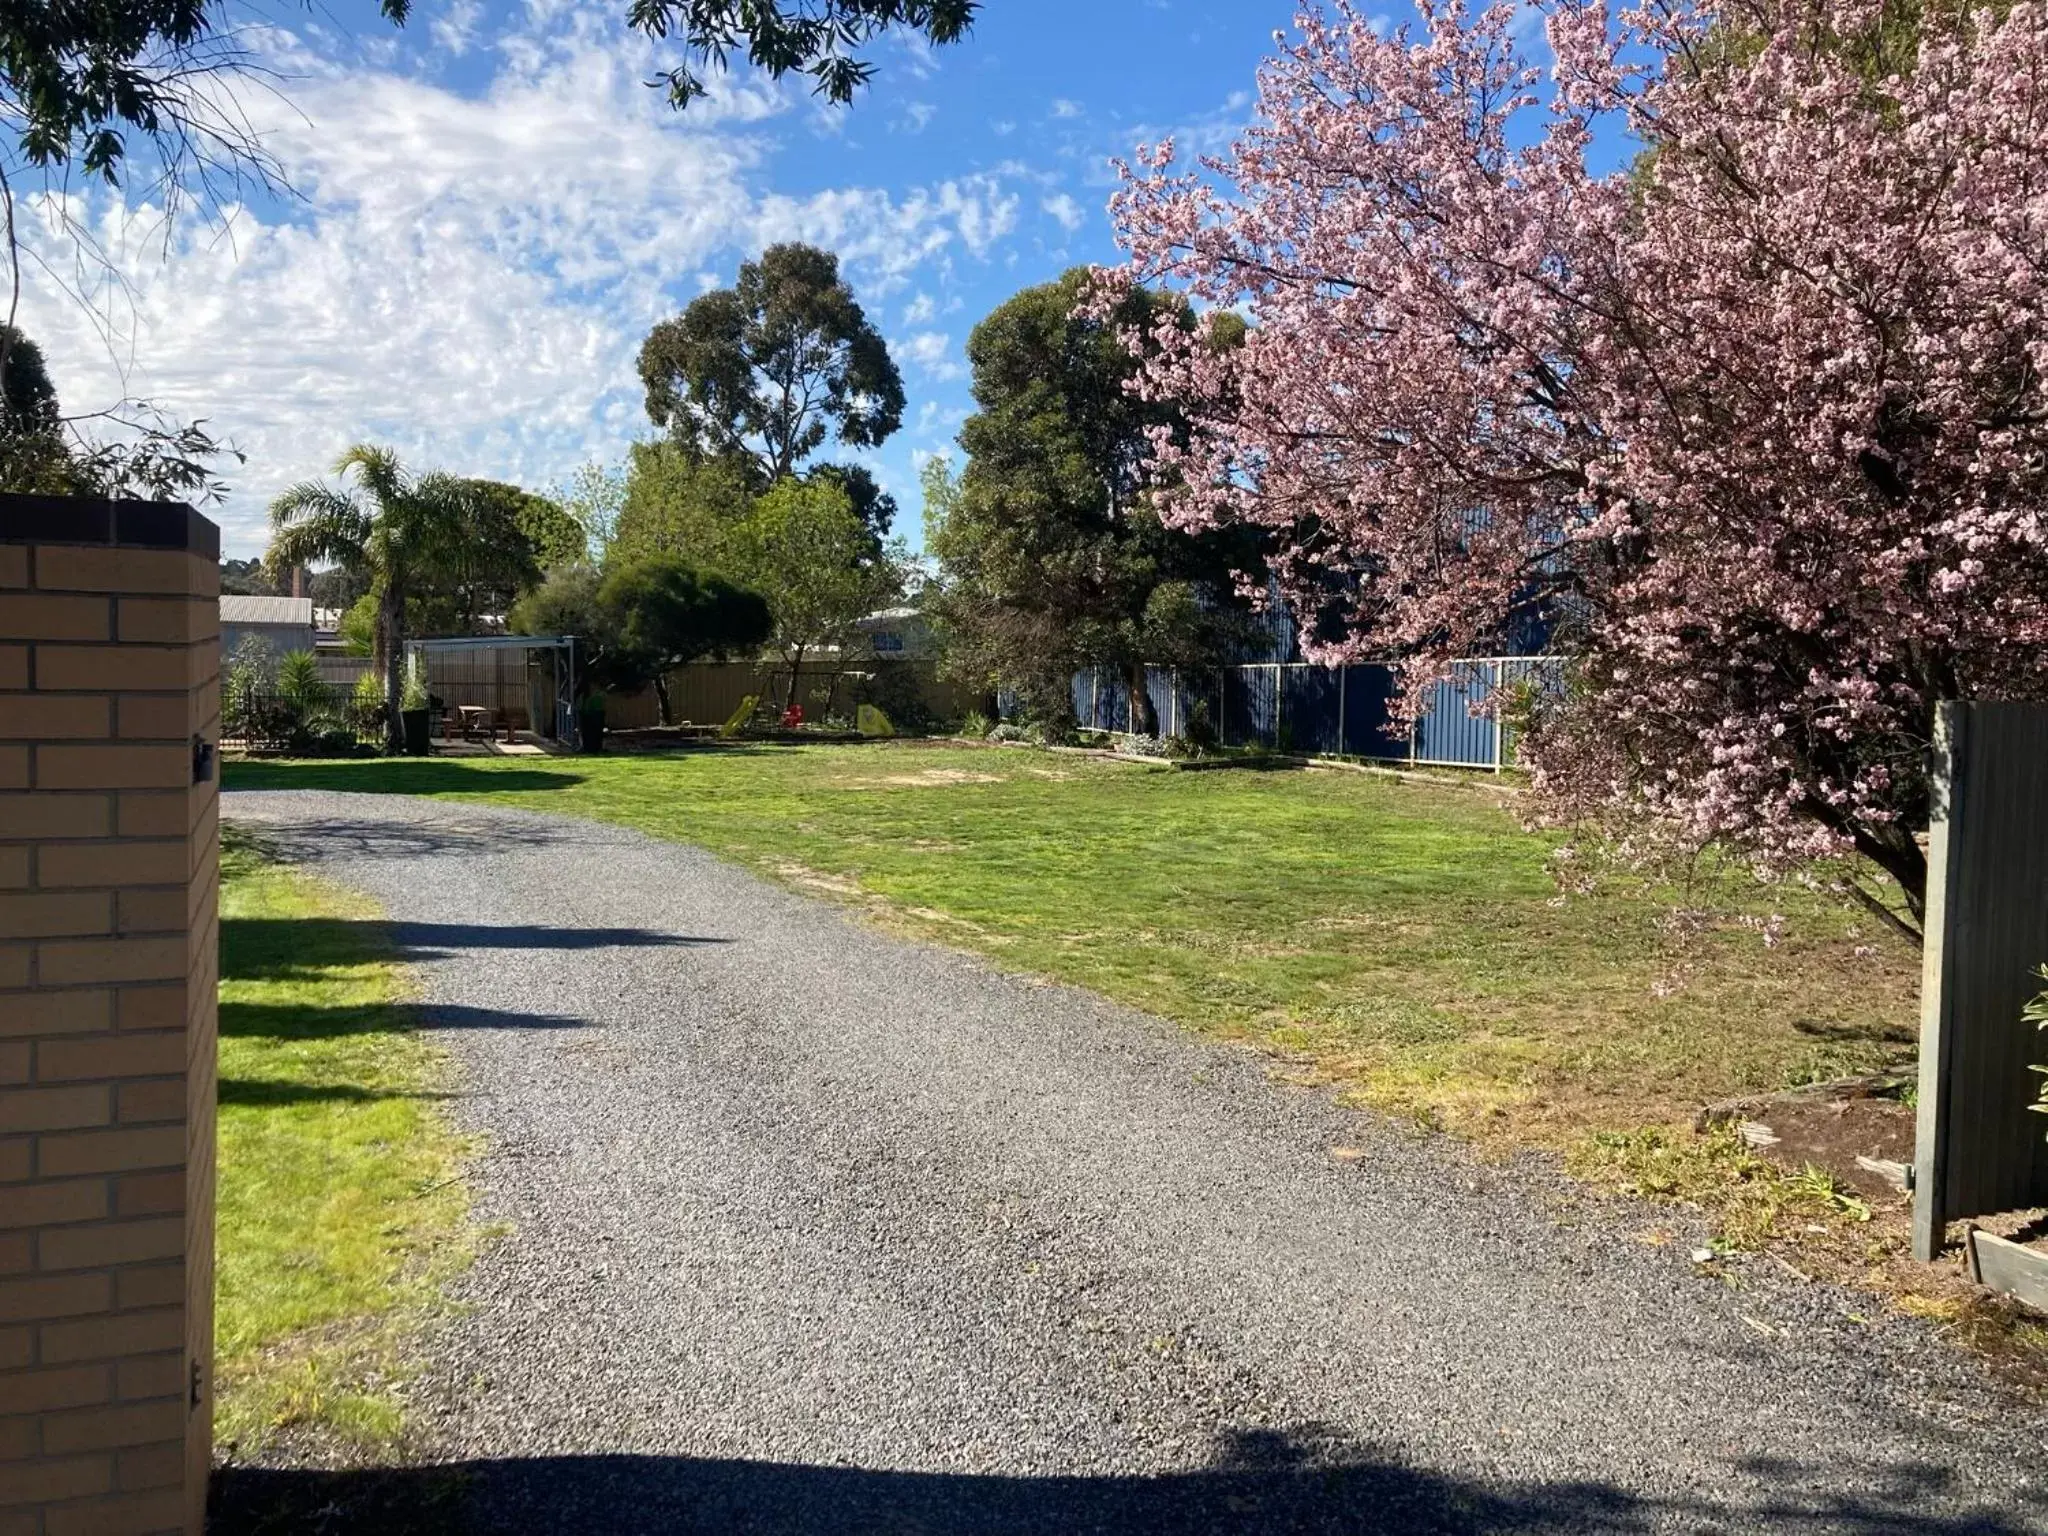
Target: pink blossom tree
x=1754 y=406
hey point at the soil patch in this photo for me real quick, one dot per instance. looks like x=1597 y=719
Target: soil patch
x=1832 y=1133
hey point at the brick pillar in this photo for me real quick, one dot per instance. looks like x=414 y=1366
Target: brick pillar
x=109 y=716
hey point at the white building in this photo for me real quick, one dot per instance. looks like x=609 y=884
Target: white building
x=285 y=624
x=900 y=634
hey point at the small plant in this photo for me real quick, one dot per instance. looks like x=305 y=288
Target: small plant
x=872 y=722
x=300 y=685
x=368 y=694
x=1199 y=729
x=976 y=725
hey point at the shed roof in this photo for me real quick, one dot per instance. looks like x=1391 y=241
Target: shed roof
x=237 y=609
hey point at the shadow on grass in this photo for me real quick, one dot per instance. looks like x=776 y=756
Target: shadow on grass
x=393 y=775
x=287 y=948
x=1263 y=1483
x=292 y=1021
x=266 y=1093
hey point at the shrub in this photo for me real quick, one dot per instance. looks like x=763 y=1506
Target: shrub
x=1200 y=729
x=976 y=724
x=247 y=676
x=301 y=687
x=894 y=690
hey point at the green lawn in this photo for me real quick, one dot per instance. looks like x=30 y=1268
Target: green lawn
x=1400 y=939
x=340 y=1202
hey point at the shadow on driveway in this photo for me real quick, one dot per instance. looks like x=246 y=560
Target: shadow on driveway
x=285 y=948
x=1262 y=1485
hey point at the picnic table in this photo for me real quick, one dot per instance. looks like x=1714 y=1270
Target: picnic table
x=474 y=716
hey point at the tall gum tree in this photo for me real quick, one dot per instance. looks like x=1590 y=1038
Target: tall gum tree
x=1054 y=558
x=764 y=373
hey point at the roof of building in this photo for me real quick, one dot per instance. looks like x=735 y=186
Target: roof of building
x=884 y=617
x=236 y=609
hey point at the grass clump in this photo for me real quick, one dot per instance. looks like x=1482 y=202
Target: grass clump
x=1751 y=1202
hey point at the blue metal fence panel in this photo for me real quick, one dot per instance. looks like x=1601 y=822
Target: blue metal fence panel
x=1251 y=698
x=1309 y=707
x=1320 y=711
x=1448 y=731
x=1369 y=729
x=1112 y=701
x=1159 y=692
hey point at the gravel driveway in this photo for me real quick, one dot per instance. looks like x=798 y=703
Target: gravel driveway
x=812 y=1230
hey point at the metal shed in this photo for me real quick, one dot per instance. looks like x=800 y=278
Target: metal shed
x=529 y=676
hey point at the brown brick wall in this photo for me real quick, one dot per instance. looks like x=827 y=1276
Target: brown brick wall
x=109 y=669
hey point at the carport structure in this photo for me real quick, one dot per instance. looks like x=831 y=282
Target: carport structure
x=518 y=678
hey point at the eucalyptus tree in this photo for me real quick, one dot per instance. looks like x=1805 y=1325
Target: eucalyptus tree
x=763 y=374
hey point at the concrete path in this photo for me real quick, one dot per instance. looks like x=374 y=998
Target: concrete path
x=817 y=1231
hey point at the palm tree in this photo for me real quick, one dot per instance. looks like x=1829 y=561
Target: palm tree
x=382 y=523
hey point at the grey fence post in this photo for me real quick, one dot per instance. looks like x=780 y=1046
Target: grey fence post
x=1342 y=672
x=1978 y=1148
x=1499 y=673
x=1279 y=686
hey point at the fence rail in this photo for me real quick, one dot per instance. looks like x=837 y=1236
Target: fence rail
x=1331 y=711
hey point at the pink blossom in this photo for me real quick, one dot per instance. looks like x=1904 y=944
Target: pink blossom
x=1762 y=419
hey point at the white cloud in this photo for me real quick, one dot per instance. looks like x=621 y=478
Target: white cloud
x=1066 y=210
x=455 y=29
x=931 y=350
x=1062 y=107
x=933 y=418
x=920 y=114
x=468 y=277
x=921 y=310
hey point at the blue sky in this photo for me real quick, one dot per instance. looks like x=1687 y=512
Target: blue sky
x=493 y=208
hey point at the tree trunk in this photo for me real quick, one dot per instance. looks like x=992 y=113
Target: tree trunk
x=389 y=638
x=796 y=672
x=661 y=702
x=1144 y=718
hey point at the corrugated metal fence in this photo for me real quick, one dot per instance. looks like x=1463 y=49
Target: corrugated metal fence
x=1331 y=711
